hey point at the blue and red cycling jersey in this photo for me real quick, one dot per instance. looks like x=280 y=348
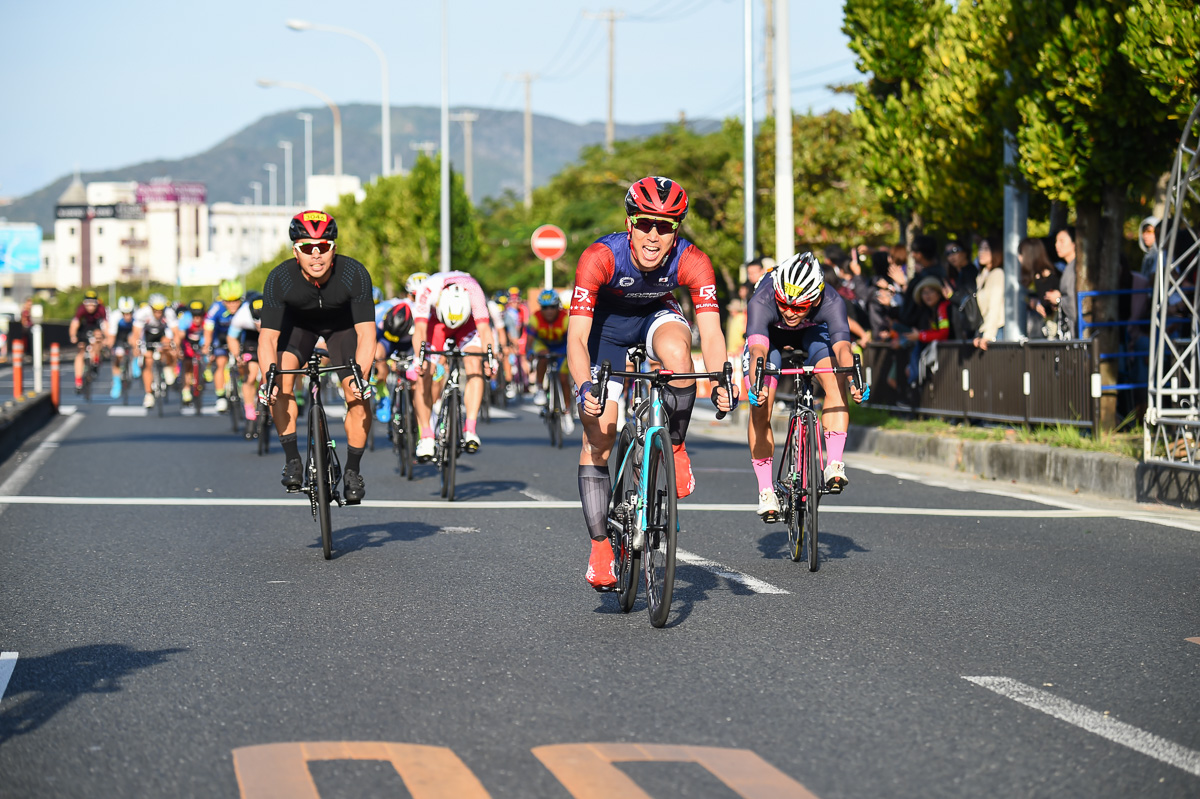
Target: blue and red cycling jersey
x=607 y=275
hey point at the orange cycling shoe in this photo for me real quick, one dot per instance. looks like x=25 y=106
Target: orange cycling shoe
x=601 y=570
x=685 y=481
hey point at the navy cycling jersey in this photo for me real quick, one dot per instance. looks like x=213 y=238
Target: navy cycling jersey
x=607 y=275
x=763 y=317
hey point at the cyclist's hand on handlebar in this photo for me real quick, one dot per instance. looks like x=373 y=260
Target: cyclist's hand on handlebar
x=588 y=405
x=857 y=392
x=264 y=397
x=721 y=398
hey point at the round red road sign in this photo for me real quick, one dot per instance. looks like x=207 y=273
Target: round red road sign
x=549 y=241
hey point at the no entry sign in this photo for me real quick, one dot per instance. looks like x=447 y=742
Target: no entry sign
x=549 y=242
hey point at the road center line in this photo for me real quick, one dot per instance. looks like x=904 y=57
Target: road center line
x=1097 y=723
x=753 y=583
x=8 y=662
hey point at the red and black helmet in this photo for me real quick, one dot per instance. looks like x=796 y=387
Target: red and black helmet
x=658 y=197
x=312 y=225
x=398 y=322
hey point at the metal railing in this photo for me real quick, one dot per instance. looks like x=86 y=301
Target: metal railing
x=1031 y=382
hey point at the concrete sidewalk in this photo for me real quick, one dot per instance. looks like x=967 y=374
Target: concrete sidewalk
x=1096 y=473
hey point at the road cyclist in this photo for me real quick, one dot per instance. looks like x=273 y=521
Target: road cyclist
x=191 y=342
x=216 y=334
x=155 y=341
x=623 y=296
x=450 y=312
x=242 y=342
x=792 y=309
x=119 y=343
x=547 y=334
x=317 y=293
x=85 y=332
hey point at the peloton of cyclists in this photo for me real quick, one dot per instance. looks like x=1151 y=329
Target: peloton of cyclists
x=120 y=333
x=86 y=324
x=318 y=293
x=792 y=307
x=623 y=296
x=450 y=308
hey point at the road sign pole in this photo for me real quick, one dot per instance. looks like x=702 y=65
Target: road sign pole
x=55 y=392
x=549 y=273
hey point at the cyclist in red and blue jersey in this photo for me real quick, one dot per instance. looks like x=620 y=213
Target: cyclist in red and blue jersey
x=793 y=308
x=623 y=296
x=191 y=326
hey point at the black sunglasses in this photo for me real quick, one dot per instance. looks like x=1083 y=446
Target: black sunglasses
x=644 y=224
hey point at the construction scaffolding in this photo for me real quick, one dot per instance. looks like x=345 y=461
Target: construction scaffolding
x=1173 y=413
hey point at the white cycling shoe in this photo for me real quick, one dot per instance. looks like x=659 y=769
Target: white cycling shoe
x=539 y=398
x=568 y=424
x=835 y=477
x=471 y=442
x=768 y=505
x=148 y=401
x=425 y=450
x=222 y=405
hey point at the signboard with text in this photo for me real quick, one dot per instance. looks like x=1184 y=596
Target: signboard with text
x=20 y=248
x=172 y=192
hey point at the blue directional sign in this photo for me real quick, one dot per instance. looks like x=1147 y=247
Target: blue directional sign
x=20 y=248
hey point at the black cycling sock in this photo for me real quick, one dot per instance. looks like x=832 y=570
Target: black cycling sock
x=594 y=489
x=679 y=402
x=354 y=457
x=290 y=450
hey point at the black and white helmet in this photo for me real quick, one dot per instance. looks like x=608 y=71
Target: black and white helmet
x=799 y=282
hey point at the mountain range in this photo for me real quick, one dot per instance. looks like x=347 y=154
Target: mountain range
x=228 y=167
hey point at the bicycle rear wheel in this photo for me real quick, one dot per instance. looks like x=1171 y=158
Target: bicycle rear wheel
x=812 y=467
x=790 y=479
x=452 y=432
x=621 y=521
x=409 y=451
x=319 y=445
x=263 y=421
x=658 y=553
x=233 y=397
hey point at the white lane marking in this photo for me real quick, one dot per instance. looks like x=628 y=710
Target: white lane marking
x=67 y=410
x=753 y=583
x=335 y=411
x=569 y=505
x=125 y=410
x=540 y=496
x=24 y=473
x=1097 y=723
x=208 y=410
x=457 y=530
x=744 y=470
x=501 y=413
x=8 y=661
x=534 y=409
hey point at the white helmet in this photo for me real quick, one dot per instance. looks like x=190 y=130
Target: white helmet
x=158 y=302
x=454 y=306
x=799 y=282
x=126 y=305
x=414 y=282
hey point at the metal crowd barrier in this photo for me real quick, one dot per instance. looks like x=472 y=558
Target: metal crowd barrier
x=1031 y=382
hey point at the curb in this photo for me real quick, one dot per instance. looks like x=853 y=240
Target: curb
x=21 y=418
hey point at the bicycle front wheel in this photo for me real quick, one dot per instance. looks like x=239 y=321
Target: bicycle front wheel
x=453 y=430
x=813 y=499
x=658 y=553
x=233 y=398
x=790 y=478
x=621 y=522
x=320 y=448
x=409 y=420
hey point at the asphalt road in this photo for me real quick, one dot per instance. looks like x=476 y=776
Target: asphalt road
x=961 y=639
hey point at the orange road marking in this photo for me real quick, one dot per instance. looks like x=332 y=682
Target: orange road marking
x=587 y=772
x=1194 y=640
x=280 y=771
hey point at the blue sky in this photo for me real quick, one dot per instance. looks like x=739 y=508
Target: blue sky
x=103 y=85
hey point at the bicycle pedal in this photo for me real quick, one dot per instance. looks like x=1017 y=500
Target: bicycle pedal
x=605 y=589
x=770 y=518
x=295 y=490
x=471 y=447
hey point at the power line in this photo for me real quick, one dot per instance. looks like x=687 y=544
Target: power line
x=583 y=61
x=553 y=64
x=675 y=12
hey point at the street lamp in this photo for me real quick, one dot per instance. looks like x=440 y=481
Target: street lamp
x=287 y=172
x=337 y=121
x=385 y=128
x=444 y=250
x=307 y=120
x=271 y=170
x=254 y=184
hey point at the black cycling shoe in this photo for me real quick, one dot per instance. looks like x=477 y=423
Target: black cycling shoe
x=293 y=474
x=354 y=488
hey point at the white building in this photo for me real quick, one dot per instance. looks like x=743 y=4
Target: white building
x=243 y=236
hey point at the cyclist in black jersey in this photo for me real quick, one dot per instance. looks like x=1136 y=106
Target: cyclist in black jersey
x=318 y=294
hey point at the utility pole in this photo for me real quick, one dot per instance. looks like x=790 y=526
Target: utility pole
x=748 y=187
x=287 y=172
x=769 y=53
x=528 y=78
x=307 y=120
x=271 y=170
x=467 y=118
x=611 y=15
x=785 y=199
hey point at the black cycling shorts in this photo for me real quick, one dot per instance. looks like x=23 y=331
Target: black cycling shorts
x=342 y=345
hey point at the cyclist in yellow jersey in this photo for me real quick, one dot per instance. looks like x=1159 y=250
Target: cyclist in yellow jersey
x=547 y=331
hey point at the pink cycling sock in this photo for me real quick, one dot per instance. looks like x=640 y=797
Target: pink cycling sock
x=471 y=425
x=762 y=470
x=835 y=445
x=251 y=411
x=426 y=432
